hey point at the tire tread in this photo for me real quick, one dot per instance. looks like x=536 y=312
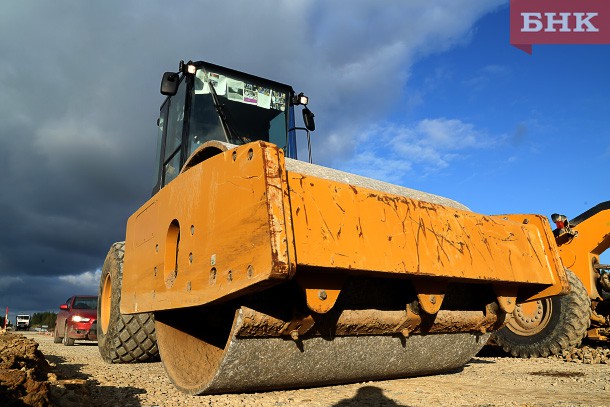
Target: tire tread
x=569 y=330
x=130 y=338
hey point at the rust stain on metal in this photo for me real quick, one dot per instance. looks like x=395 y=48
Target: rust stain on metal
x=368 y=322
x=529 y=240
x=170 y=279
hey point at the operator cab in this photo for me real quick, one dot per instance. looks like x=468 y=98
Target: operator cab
x=209 y=102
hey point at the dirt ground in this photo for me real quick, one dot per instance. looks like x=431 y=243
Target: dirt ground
x=23 y=372
x=76 y=376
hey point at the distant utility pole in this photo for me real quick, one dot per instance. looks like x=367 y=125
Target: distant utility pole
x=6 y=318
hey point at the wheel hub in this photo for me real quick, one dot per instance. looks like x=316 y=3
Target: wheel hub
x=530 y=318
x=105 y=303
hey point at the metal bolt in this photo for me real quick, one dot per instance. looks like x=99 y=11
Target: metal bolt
x=188 y=286
x=157 y=248
x=250 y=154
x=191 y=258
x=526 y=221
x=433 y=299
x=192 y=230
x=234 y=155
x=250 y=271
x=322 y=295
x=509 y=301
x=155 y=271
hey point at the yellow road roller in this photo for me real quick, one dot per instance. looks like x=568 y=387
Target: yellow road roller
x=251 y=270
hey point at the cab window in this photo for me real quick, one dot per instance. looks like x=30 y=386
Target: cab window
x=173 y=135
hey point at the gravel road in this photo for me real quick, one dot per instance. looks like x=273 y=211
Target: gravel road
x=490 y=379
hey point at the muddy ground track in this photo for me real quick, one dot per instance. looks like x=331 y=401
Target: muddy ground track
x=76 y=376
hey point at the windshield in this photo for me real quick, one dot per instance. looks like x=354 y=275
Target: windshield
x=85 y=303
x=253 y=111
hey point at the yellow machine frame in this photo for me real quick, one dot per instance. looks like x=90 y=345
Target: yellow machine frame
x=248 y=224
x=580 y=246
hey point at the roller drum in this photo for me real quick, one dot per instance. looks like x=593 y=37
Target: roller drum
x=196 y=366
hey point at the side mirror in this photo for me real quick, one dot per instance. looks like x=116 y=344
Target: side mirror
x=169 y=84
x=308 y=116
x=64 y=307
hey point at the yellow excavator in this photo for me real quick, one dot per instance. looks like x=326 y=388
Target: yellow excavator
x=251 y=270
x=551 y=325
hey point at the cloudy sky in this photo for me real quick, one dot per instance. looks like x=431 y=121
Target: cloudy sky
x=426 y=94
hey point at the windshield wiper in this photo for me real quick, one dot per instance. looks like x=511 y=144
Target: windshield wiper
x=230 y=133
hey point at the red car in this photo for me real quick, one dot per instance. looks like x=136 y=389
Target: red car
x=77 y=320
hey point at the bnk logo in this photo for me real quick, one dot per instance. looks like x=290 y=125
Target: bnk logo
x=559 y=22
x=581 y=22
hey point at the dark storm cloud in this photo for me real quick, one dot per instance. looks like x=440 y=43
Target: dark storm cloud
x=79 y=99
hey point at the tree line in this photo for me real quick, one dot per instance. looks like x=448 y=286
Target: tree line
x=43 y=318
x=38 y=319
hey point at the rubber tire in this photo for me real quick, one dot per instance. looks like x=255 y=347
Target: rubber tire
x=56 y=337
x=67 y=341
x=129 y=338
x=566 y=328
